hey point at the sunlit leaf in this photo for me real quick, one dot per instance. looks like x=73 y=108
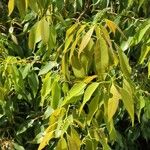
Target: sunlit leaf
x=74 y=91
x=88 y=93
x=113 y=102
x=11 y=4
x=85 y=40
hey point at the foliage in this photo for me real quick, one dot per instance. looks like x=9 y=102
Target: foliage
x=74 y=74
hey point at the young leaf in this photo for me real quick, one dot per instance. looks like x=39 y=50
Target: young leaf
x=88 y=93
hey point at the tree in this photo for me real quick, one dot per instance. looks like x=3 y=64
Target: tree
x=74 y=74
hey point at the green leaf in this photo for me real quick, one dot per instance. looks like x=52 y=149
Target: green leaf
x=124 y=63
x=56 y=94
x=24 y=126
x=11 y=5
x=76 y=90
x=62 y=144
x=17 y=146
x=101 y=57
x=47 y=67
x=21 y=5
x=34 y=35
x=46 y=88
x=88 y=93
x=128 y=102
x=93 y=107
x=72 y=145
x=148 y=69
x=44 y=29
x=113 y=102
x=85 y=40
x=33 y=83
x=144 y=53
x=141 y=32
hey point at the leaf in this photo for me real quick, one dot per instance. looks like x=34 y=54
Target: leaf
x=75 y=136
x=141 y=32
x=17 y=146
x=44 y=29
x=56 y=94
x=34 y=35
x=88 y=93
x=144 y=52
x=128 y=103
x=24 y=126
x=11 y=4
x=68 y=42
x=88 y=79
x=71 y=30
x=33 y=83
x=46 y=88
x=112 y=26
x=124 y=64
x=85 y=40
x=47 y=67
x=130 y=2
x=46 y=139
x=21 y=5
x=101 y=57
x=62 y=144
x=74 y=91
x=113 y=102
x=148 y=69
x=72 y=145
x=93 y=107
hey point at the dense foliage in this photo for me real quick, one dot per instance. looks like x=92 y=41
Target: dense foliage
x=74 y=74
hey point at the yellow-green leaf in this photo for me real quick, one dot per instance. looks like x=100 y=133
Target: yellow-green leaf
x=62 y=144
x=124 y=63
x=128 y=102
x=85 y=40
x=46 y=139
x=44 y=29
x=74 y=91
x=101 y=57
x=113 y=102
x=11 y=5
x=88 y=93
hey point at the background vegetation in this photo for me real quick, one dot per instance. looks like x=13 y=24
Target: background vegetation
x=74 y=74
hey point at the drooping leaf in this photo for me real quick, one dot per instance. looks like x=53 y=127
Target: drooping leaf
x=62 y=144
x=128 y=103
x=85 y=40
x=46 y=88
x=113 y=102
x=93 y=107
x=11 y=4
x=101 y=57
x=144 y=53
x=56 y=94
x=124 y=64
x=88 y=93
